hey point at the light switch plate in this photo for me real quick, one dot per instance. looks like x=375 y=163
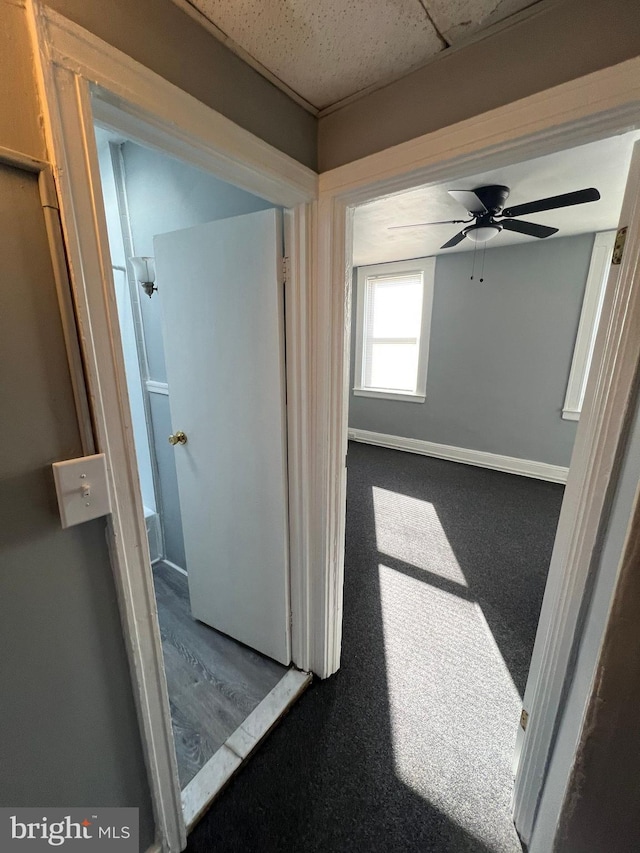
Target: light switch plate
x=82 y=489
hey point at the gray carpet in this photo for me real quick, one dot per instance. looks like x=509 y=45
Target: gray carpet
x=409 y=746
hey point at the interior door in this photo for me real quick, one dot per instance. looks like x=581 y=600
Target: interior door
x=222 y=304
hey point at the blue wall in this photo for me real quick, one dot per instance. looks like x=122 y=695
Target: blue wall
x=500 y=354
x=167 y=195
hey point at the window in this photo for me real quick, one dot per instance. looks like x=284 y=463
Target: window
x=588 y=326
x=392 y=329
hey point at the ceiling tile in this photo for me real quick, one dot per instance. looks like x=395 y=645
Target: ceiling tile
x=458 y=19
x=327 y=50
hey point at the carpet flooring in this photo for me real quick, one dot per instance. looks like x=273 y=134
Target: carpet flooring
x=409 y=746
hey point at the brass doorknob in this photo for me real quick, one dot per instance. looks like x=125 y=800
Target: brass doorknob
x=178 y=438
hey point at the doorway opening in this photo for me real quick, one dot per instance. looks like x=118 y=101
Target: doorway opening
x=193 y=322
x=447 y=561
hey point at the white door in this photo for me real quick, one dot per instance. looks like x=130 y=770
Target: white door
x=222 y=303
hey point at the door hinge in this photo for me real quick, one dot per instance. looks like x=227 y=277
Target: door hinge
x=618 y=246
x=285 y=269
x=524 y=719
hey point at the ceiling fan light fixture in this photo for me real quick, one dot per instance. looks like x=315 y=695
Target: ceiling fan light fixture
x=482 y=233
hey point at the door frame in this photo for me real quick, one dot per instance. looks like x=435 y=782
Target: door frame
x=81 y=80
x=592 y=107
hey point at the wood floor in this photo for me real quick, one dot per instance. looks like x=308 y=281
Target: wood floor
x=214 y=682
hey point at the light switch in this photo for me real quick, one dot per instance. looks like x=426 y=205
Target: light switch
x=82 y=489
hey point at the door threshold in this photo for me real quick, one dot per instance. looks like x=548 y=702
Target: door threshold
x=205 y=786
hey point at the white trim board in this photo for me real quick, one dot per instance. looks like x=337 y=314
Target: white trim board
x=211 y=779
x=199 y=130
x=592 y=107
x=154 y=387
x=175 y=567
x=479 y=458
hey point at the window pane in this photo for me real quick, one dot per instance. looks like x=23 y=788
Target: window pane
x=393 y=366
x=394 y=307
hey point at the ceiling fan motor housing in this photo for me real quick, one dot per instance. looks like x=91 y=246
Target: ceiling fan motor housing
x=493 y=197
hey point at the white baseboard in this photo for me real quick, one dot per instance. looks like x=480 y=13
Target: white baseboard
x=157 y=387
x=175 y=567
x=509 y=464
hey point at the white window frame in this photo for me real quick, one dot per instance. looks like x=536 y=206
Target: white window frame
x=588 y=326
x=427 y=268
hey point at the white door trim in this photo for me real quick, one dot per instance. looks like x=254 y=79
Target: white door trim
x=199 y=135
x=578 y=112
x=592 y=107
x=81 y=79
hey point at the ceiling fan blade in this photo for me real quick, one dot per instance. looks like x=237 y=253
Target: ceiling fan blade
x=454 y=240
x=553 y=202
x=440 y=222
x=530 y=228
x=469 y=200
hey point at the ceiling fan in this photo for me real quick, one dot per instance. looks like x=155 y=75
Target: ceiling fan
x=489 y=216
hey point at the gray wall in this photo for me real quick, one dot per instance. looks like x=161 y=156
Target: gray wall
x=560 y=42
x=166 y=195
x=500 y=354
x=69 y=734
x=20 y=127
x=164 y=38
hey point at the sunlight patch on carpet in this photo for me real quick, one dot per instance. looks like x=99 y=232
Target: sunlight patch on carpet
x=452 y=704
x=409 y=529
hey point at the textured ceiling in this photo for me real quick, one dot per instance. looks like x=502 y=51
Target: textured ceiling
x=327 y=50
x=456 y=20
x=602 y=164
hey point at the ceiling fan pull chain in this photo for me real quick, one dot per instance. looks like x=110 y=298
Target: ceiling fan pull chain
x=473 y=265
x=484 y=249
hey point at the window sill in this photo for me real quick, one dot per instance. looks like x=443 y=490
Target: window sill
x=570 y=415
x=389 y=395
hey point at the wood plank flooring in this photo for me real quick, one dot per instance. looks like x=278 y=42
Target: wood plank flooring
x=214 y=682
